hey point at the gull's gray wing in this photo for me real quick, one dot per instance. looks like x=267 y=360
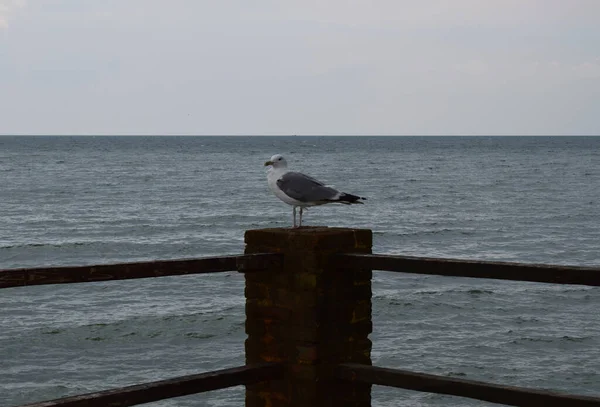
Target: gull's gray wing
x=304 y=188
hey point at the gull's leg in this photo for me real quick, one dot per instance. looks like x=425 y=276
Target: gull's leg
x=294 y=211
x=301 y=208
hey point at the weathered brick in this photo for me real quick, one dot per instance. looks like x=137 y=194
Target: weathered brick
x=310 y=315
x=266 y=397
x=257 y=290
x=305 y=281
x=307 y=354
x=258 y=351
x=296 y=300
x=310 y=238
x=264 y=309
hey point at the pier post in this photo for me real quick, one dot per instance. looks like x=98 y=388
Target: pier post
x=310 y=315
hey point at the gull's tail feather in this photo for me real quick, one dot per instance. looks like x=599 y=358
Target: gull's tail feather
x=348 y=199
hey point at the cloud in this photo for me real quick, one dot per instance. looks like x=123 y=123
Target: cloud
x=588 y=70
x=472 y=67
x=302 y=66
x=7 y=8
x=433 y=13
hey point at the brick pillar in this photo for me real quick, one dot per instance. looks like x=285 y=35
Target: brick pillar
x=309 y=315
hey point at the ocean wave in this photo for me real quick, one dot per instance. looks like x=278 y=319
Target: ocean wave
x=54 y=245
x=539 y=339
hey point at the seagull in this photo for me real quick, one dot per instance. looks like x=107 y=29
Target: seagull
x=300 y=190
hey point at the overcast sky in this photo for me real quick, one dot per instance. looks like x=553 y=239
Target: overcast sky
x=515 y=67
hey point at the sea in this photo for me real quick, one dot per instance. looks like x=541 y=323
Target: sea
x=86 y=200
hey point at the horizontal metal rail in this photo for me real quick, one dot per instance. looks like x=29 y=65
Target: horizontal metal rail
x=494 y=393
x=124 y=271
x=164 y=389
x=470 y=268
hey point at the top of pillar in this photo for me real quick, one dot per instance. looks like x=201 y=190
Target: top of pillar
x=311 y=237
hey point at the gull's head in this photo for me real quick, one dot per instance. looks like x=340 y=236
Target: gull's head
x=277 y=161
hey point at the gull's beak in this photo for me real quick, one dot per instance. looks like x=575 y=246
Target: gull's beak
x=268 y=163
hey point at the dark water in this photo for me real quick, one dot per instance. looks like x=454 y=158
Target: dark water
x=84 y=200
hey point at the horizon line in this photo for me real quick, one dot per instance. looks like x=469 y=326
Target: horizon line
x=293 y=135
